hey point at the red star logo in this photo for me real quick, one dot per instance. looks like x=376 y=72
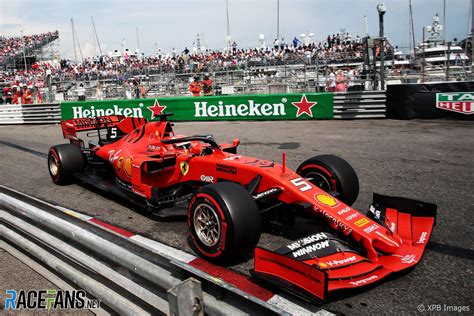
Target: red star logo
x=156 y=109
x=304 y=106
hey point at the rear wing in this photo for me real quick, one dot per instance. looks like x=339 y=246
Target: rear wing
x=124 y=124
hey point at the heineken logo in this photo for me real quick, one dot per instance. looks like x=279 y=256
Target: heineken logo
x=203 y=109
x=241 y=107
x=89 y=112
x=461 y=102
x=251 y=108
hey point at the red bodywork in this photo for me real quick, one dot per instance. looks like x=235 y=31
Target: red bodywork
x=141 y=159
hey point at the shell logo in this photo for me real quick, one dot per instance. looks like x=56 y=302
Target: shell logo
x=326 y=200
x=323 y=265
x=127 y=167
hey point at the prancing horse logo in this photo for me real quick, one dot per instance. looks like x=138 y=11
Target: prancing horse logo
x=184 y=167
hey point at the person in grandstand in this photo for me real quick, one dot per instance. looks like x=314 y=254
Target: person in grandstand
x=331 y=81
x=81 y=93
x=8 y=95
x=142 y=91
x=195 y=87
x=207 y=85
x=340 y=82
x=99 y=93
x=16 y=95
x=296 y=41
x=26 y=97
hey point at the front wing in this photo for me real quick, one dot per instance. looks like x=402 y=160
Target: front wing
x=318 y=265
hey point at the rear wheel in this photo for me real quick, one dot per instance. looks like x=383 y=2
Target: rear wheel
x=63 y=161
x=332 y=174
x=224 y=222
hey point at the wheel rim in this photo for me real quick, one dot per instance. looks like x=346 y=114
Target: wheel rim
x=53 y=165
x=319 y=180
x=207 y=225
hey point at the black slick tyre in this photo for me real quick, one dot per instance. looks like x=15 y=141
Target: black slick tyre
x=224 y=222
x=63 y=162
x=332 y=174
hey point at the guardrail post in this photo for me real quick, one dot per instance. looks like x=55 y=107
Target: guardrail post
x=185 y=298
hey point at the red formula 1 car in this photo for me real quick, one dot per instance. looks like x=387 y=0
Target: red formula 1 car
x=226 y=197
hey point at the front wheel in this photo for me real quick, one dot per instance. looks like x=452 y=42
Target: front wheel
x=224 y=222
x=333 y=175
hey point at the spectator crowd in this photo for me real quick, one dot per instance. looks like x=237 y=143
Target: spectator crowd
x=336 y=48
x=14 y=46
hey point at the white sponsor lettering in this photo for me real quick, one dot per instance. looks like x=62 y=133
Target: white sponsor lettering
x=393 y=227
x=422 y=238
x=352 y=216
x=138 y=193
x=266 y=193
x=209 y=179
x=371 y=228
x=307 y=240
x=202 y=109
x=344 y=210
x=310 y=248
x=341 y=262
x=364 y=281
x=408 y=259
x=113 y=155
x=153 y=147
x=80 y=112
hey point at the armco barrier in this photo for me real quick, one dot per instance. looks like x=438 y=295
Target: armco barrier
x=30 y=114
x=129 y=278
x=359 y=105
x=293 y=106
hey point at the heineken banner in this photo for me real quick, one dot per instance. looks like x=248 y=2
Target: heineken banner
x=306 y=106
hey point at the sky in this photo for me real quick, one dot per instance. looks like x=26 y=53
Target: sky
x=171 y=24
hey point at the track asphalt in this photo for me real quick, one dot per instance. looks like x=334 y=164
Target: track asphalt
x=431 y=161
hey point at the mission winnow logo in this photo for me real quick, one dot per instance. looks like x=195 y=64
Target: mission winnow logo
x=49 y=300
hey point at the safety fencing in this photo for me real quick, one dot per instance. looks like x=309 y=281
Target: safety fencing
x=360 y=105
x=125 y=276
x=30 y=113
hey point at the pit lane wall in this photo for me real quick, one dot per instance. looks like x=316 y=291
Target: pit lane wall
x=453 y=100
x=293 y=106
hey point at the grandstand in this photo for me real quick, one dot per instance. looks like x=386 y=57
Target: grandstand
x=29 y=49
x=293 y=67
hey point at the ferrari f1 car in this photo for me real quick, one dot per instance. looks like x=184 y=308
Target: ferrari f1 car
x=226 y=196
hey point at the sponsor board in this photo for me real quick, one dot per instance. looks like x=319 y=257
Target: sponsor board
x=293 y=106
x=460 y=102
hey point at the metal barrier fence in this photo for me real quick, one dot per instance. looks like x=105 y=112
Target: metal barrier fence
x=347 y=105
x=359 y=105
x=128 y=278
x=30 y=114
